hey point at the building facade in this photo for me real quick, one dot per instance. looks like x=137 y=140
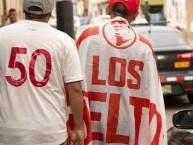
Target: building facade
x=97 y=7
x=82 y=7
x=179 y=14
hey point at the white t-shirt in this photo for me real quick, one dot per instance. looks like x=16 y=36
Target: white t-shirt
x=122 y=86
x=35 y=62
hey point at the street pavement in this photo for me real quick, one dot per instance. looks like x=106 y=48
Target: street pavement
x=174 y=104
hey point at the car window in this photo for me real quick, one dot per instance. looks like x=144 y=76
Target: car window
x=166 y=39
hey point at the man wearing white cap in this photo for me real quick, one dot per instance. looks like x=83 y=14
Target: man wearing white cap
x=36 y=62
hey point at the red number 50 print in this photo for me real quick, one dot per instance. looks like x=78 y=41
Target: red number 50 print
x=15 y=64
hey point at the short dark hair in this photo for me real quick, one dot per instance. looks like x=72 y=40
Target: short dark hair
x=33 y=16
x=120 y=9
x=12 y=10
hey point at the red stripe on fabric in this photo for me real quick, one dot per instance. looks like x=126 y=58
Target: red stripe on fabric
x=144 y=40
x=87 y=33
x=139 y=102
x=96 y=96
x=95 y=116
x=180 y=78
x=87 y=121
x=153 y=112
x=163 y=79
x=113 y=120
x=97 y=136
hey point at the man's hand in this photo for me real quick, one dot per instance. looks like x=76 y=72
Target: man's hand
x=77 y=137
x=76 y=104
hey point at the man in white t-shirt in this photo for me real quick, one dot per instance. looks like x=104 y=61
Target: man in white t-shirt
x=121 y=81
x=36 y=63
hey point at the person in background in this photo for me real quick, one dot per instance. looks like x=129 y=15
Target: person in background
x=121 y=82
x=11 y=18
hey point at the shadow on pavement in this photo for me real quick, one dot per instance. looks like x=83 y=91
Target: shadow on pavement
x=177 y=102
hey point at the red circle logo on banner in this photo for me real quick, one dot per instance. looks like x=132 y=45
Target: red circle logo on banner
x=119 y=34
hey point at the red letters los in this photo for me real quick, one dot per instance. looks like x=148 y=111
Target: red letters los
x=119 y=73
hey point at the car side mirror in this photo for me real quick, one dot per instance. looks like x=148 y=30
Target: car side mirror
x=183 y=119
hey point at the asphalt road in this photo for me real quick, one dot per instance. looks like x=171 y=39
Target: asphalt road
x=174 y=104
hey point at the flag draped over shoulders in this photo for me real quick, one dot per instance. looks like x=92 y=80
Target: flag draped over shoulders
x=122 y=91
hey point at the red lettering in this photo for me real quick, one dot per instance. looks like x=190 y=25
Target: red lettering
x=132 y=70
x=153 y=112
x=138 y=104
x=115 y=78
x=112 y=121
x=13 y=64
x=48 y=69
x=96 y=116
x=113 y=118
x=112 y=72
x=87 y=121
x=95 y=72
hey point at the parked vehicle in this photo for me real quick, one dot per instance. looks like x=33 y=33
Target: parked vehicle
x=182 y=133
x=140 y=21
x=174 y=58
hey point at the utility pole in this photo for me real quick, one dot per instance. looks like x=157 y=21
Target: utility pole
x=65 y=21
x=146 y=10
x=4 y=8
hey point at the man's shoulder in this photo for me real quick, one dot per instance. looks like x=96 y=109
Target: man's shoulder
x=144 y=41
x=145 y=44
x=8 y=27
x=8 y=30
x=61 y=34
x=88 y=32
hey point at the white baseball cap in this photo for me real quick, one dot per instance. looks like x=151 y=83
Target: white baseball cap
x=46 y=6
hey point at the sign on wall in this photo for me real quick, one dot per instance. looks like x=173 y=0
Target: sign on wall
x=154 y=2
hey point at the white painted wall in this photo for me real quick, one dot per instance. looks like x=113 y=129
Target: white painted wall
x=176 y=13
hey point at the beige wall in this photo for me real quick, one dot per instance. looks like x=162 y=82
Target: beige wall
x=189 y=19
x=97 y=7
x=180 y=14
x=176 y=13
x=1 y=11
x=16 y=4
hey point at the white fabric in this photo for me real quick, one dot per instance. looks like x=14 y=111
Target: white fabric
x=120 y=35
x=29 y=114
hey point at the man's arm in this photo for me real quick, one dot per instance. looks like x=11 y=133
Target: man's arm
x=76 y=104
